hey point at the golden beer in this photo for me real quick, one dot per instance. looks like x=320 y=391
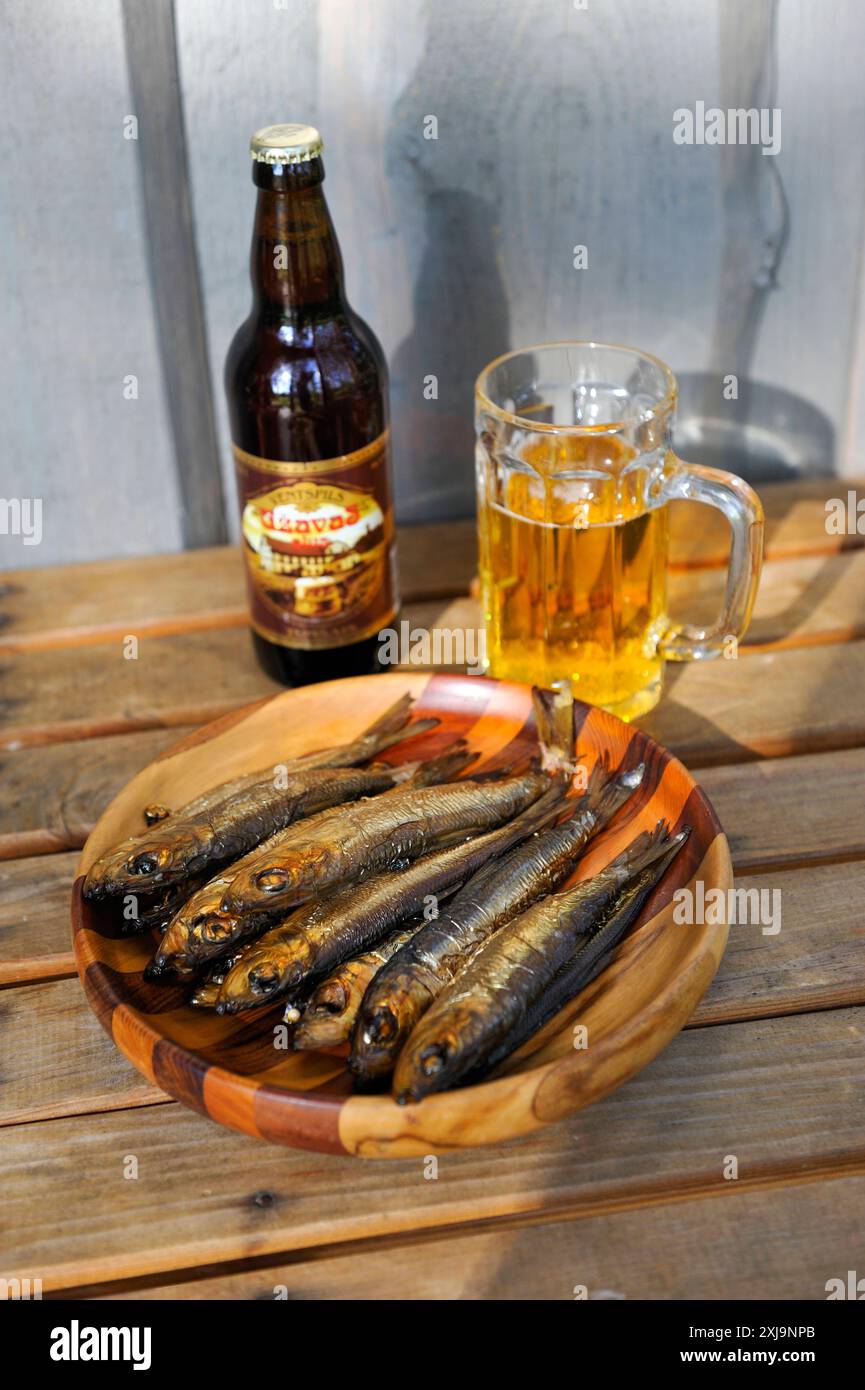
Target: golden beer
x=575 y=468
x=574 y=583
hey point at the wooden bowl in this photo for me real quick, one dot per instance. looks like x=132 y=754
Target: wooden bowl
x=232 y=1068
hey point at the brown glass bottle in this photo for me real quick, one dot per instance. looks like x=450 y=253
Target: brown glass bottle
x=307 y=394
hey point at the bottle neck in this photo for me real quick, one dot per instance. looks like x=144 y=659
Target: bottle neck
x=296 y=265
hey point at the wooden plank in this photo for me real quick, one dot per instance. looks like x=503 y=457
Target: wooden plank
x=52 y=696
x=795 y=524
x=162 y=595
x=170 y=594
x=35 y=938
x=712 y=712
x=105 y=599
x=815 y=961
x=53 y=1044
x=769 y=706
x=151 y=53
x=801 y=601
x=780 y=1243
x=770 y=824
x=55 y=793
x=791 y=811
x=204 y=1195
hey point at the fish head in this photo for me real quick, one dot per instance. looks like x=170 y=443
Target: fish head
x=146 y=862
x=171 y=957
x=269 y=886
x=211 y=932
x=434 y=1059
x=255 y=978
x=386 y=1020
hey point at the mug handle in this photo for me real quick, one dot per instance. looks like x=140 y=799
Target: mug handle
x=692 y=482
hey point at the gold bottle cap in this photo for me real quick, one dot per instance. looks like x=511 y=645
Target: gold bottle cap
x=285 y=144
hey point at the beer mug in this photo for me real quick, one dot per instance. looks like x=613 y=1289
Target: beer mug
x=574 y=472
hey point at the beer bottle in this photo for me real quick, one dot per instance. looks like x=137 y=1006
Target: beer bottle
x=307 y=395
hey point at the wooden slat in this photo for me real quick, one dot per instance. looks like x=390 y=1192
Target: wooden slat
x=781 y=1243
x=159 y=595
x=790 y=811
x=769 y=822
x=73 y=693
x=795 y=523
x=204 y=1195
x=712 y=712
x=35 y=941
x=768 y=705
x=816 y=961
x=802 y=601
x=54 y=794
x=57 y=1059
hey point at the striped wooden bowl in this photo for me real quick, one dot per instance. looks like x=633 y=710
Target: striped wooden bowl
x=232 y=1069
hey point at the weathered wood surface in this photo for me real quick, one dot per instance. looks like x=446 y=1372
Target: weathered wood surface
x=779 y=735
x=712 y=712
x=54 y=794
x=762 y=974
x=204 y=1195
x=34 y=918
x=103 y=601
x=106 y=600
x=57 y=1059
x=785 y=813
x=806 y=1238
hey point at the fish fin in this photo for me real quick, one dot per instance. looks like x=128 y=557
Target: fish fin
x=607 y=791
x=393 y=726
x=405 y=772
x=394 y=718
x=420 y=726
x=649 y=846
x=554 y=718
x=447 y=765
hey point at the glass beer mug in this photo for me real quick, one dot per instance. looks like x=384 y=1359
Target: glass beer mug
x=574 y=472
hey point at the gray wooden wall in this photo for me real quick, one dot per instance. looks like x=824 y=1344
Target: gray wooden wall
x=554 y=129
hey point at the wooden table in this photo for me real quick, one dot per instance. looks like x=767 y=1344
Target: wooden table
x=110 y=1188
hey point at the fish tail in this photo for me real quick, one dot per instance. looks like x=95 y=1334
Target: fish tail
x=392 y=720
x=554 y=718
x=393 y=727
x=541 y=813
x=606 y=791
x=444 y=767
x=648 y=847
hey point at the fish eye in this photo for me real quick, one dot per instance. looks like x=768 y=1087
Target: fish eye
x=215 y=928
x=382 y=1026
x=433 y=1059
x=146 y=863
x=272 y=880
x=263 y=979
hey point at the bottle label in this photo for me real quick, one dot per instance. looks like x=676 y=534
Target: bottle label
x=318 y=542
